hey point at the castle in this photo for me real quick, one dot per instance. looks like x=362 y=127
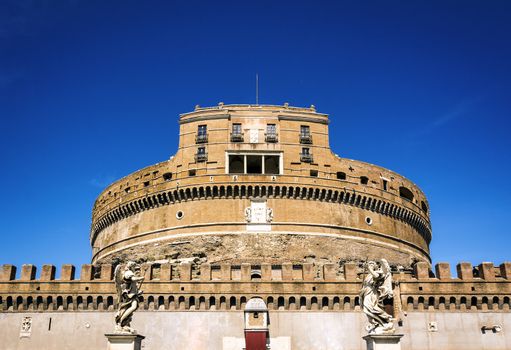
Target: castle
x=255 y=204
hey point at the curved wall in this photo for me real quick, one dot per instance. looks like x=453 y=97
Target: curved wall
x=324 y=207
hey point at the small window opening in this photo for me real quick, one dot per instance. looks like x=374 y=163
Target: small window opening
x=146 y=183
x=385 y=184
x=405 y=193
x=341 y=175
x=256 y=314
x=364 y=180
x=127 y=189
x=167 y=176
x=192 y=172
x=424 y=207
x=314 y=173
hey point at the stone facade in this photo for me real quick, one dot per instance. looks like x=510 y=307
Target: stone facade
x=255 y=204
x=324 y=208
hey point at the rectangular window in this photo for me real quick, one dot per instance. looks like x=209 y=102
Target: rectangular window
x=202 y=134
x=384 y=184
x=271 y=133
x=202 y=130
x=272 y=165
x=201 y=150
x=305 y=151
x=305 y=134
x=254 y=164
x=305 y=130
x=236 y=134
x=314 y=173
x=236 y=164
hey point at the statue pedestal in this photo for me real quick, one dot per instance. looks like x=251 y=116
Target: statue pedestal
x=119 y=341
x=383 y=341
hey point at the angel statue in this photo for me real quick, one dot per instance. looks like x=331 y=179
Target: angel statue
x=127 y=283
x=376 y=288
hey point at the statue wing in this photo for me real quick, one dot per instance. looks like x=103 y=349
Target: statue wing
x=385 y=266
x=386 y=287
x=118 y=282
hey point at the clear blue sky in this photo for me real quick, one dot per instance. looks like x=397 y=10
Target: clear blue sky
x=90 y=91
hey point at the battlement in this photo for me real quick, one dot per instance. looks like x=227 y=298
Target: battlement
x=288 y=286
x=328 y=272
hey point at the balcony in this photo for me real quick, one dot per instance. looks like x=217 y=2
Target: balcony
x=306 y=157
x=306 y=138
x=201 y=157
x=236 y=137
x=201 y=138
x=271 y=137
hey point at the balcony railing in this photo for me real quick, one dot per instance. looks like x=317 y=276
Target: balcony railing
x=201 y=157
x=201 y=138
x=236 y=137
x=306 y=138
x=306 y=157
x=271 y=137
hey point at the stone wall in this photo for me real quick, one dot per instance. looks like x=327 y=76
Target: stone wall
x=223 y=330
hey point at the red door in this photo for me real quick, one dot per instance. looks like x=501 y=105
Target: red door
x=255 y=340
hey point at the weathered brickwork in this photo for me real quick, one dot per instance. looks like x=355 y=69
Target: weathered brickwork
x=325 y=208
x=228 y=287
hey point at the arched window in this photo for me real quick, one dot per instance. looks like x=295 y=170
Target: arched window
x=405 y=193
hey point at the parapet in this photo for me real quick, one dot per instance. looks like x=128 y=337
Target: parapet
x=287 y=286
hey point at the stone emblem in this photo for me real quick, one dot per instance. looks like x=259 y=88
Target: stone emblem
x=26 y=327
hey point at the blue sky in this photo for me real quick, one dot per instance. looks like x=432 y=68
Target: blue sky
x=91 y=91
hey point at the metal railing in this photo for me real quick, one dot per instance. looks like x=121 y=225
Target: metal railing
x=236 y=137
x=201 y=157
x=201 y=138
x=306 y=157
x=306 y=138
x=271 y=137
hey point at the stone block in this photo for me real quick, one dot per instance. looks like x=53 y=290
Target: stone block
x=225 y=272
x=329 y=272
x=28 y=272
x=308 y=272
x=8 y=273
x=464 y=270
x=443 y=271
x=287 y=271
x=107 y=272
x=350 y=271
x=86 y=273
x=505 y=270
x=383 y=341
x=486 y=271
x=48 y=273
x=205 y=272
x=421 y=270
x=245 y=272
x=185 y=271
x=124 y=341
x=266 y=272
x=165 y=272
x=67 y=272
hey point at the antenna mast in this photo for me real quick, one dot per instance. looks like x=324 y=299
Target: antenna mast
x=257 y=89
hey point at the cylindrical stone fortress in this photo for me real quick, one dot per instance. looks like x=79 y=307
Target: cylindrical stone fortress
x=260 y=184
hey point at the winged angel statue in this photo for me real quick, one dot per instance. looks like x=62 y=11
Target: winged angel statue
x=376 y=288
x=127 y=283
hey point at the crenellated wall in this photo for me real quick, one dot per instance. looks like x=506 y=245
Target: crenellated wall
x=288 y=286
